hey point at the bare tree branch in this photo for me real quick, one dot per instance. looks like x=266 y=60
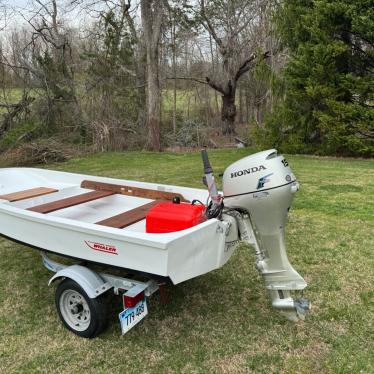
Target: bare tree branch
x=246 y=66
x=198 y=80
x=215 y=85
x=209 y=27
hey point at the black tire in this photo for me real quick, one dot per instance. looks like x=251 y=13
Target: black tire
x=80 y=314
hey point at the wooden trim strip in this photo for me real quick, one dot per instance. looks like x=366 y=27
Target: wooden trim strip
x=27 y=194
x=128 y=218
x=70 y=201
x=132 y=191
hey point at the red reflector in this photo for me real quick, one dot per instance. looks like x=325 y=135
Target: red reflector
x=131 y=301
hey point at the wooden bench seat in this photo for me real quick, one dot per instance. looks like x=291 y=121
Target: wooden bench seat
x=128 y=218
x=70 y=201
x=101 y=190
x=27 y=194
x=132 y=191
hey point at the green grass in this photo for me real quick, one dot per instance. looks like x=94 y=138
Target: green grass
x=220 y=322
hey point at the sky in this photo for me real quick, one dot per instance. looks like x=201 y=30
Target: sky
x=14 y=12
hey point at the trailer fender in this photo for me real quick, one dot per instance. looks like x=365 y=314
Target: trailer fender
x=90 y=281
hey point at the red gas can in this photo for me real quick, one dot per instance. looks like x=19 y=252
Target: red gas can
x=170 y=217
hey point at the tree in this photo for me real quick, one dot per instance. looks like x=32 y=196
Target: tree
x=238 y=30
x=52 y=63
x=41 y=56
x=152 y=12
x=329 y=78
x=110 y=81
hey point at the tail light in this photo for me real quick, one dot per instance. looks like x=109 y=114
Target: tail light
x=129 y=301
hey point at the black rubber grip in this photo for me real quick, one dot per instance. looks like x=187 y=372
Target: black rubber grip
x=207 y=167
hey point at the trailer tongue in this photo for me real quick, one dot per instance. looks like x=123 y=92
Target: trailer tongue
x=162 y=232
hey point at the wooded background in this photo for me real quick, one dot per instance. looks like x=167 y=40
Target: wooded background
x=156 y=74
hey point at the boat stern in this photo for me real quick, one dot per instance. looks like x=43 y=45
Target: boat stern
x=204 y=248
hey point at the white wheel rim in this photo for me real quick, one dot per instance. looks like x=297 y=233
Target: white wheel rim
x=75 y=310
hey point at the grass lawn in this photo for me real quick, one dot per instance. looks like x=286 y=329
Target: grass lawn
x=220 y=322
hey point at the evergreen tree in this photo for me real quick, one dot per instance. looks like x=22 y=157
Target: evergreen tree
x=329 y=85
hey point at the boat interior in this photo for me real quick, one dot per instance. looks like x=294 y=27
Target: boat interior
x=111 y=205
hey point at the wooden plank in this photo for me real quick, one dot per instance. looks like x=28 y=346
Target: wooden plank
x=132 y=191
x=70 y=201
x=128 y=218
x=27 y=194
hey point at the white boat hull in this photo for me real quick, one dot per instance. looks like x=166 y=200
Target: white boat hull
x=72 y=232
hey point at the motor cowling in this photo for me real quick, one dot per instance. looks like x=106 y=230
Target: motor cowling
x=262 y=184
x=261 y=171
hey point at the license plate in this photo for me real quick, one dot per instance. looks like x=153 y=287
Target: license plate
x=131 y=316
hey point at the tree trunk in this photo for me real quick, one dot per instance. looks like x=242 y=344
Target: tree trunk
x=153 y=100
x=140 y=66
x=140 y=72
x=241 y=111
x=228 y=113
x=151 y=14
x=174 y=80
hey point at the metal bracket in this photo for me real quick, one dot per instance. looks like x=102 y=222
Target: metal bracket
x=93 y=283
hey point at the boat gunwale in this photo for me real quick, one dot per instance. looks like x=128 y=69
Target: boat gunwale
x=115 y=180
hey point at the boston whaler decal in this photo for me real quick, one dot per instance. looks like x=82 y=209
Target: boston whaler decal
x=102 y=247
x=247 y=171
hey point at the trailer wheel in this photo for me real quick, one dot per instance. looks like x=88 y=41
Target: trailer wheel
x=82 y=315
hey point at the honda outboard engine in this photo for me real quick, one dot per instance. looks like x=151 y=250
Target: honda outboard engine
x=260 y=189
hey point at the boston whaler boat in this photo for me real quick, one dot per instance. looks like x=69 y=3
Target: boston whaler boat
x=162 y=232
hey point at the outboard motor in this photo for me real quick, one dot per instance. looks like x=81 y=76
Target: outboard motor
x=258 y=190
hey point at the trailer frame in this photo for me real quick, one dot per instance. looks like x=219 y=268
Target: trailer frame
x=94 y=285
